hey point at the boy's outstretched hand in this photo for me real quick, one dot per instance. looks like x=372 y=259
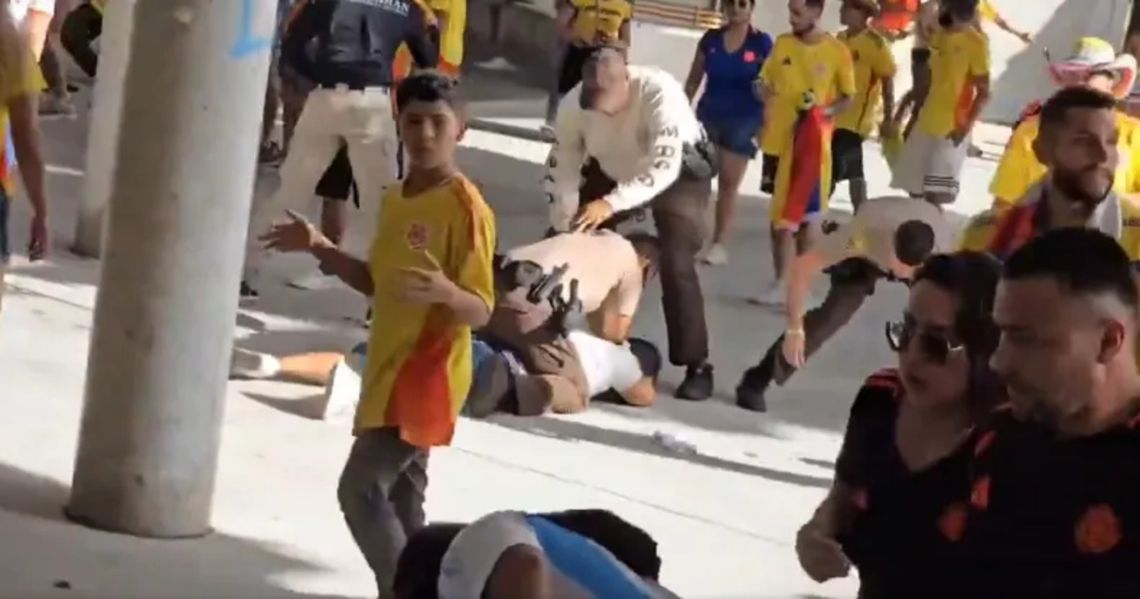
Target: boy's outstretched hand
x=295 y=235
x=427 y=285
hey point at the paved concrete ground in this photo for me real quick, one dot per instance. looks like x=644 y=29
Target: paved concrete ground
x=724 y=514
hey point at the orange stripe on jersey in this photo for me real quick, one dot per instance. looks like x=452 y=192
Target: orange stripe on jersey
x=965 y=104
x=466 y=193
x=421 y=393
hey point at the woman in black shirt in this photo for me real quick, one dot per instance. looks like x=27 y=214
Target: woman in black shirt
x=893 y=506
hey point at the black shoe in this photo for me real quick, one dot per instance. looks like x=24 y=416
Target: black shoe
x=750 y=392
x=490 y=387
x=247 y=291
x=698 y=383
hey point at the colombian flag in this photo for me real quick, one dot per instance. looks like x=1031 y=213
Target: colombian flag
x=1014 y=229
x=808 y=169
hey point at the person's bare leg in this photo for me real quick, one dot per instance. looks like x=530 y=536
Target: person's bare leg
x=310 y=369
x=858 y=189
x=334 y=219
x=783 y=246
x=732 y=169
x=805 y=238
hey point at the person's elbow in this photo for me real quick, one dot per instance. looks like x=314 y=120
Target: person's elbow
x=616 y=327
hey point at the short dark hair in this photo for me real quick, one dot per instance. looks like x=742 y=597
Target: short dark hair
x=1082 y=261
x=960 y=9
x=429 y=86
x=648 y=356
x=1055 y=111
x=814 y=3
x=914 y=242
x=417 y=570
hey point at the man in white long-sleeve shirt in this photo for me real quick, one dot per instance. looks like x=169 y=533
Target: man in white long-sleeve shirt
x=627 y=138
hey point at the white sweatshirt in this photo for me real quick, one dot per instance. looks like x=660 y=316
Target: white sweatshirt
x=639 y=148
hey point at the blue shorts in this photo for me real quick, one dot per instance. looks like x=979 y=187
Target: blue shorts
x=737 y=135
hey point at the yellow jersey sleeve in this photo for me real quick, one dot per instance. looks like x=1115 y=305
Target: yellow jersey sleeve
x=979 y=232
x=844 y=71
x=1019 y=168
x=1128 y=175
x=769 y=67
x=979 y=57
x=473 y=247
x=885 y=66
x=986 y=11
x=626 y=10
x=440 y=5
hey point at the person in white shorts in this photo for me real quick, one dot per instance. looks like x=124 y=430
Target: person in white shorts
x=931 y=162
x=579 y=554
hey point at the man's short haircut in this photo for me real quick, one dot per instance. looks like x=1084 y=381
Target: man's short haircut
x=429 y=86
x=417 y=570
x=1082 y=261
x=648 y=356
x=914 y=242
x=1055 y=111
x=814 y=3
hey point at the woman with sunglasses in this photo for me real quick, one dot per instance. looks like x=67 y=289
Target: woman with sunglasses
x=891 y=511
x=728 y=60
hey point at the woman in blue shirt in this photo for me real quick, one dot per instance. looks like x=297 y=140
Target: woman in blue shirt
x=728 y=60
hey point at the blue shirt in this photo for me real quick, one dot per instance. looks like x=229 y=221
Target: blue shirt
x=729 y=77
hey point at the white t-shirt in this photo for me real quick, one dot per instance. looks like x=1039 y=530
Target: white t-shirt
x=606 y=365
x=639 y=148
x=19 y=8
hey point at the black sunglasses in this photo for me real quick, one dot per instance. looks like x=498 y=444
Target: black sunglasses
x=934 y=346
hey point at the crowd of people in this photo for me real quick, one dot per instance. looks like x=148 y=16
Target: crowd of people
x=995 y=458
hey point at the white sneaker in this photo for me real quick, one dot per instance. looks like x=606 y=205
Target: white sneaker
x=715 y=255
x=341 y=394
x=245 y=364
x=497 y=63
x=774 y=295
x=313 y=281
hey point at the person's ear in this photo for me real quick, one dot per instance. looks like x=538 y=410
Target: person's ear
x=1041 y=145
x=1113 y=341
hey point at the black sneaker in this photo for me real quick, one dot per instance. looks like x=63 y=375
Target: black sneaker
x=753 y=385
x=247 y=291
x=698 y=383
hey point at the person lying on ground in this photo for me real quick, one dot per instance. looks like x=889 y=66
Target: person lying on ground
x=576 y=554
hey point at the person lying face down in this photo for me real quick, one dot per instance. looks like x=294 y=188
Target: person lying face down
x=576 y=554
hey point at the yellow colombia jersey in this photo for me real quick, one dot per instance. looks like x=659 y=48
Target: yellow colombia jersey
x=986 y=11
x=1019 y=168
x=451 y=39
x=874 y=63
x=599 y=16
x=794 y=68
x=21 y=77
x=419 y=362
x=956 y=57
x=1001 y=231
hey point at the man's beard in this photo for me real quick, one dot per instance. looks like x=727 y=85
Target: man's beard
x=1070 y=185
x=802 y=31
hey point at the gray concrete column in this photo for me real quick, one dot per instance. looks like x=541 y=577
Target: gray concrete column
x=106 y=115
x=185 y=160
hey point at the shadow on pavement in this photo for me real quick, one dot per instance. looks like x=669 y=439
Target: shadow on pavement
x=305 y=407
x=577 y=431
x=43 y=552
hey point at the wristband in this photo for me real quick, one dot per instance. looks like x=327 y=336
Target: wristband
x=798 y=332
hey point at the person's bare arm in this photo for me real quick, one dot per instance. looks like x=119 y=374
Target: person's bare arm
x=696 y=74
x=468 y=308
x=562 y=22
x=981 y=98
x=801 y=273
x=641 y=395
x=348 y=268
x=36 y=25
x=839 y=106
x=889 y=98
x=1005 y=26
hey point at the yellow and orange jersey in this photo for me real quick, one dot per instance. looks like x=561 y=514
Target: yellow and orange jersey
x=957 y=57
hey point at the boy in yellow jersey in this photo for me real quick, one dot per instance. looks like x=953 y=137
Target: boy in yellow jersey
x=935 y=150
x=1078 y=147
x=430 y=277
x=806 y=67
x=1093 y=64
x=987 y=13
x=19 y=86
x=585 y=26
x=874 y=79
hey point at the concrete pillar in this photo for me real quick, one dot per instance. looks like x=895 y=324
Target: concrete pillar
x=106 y=116
x=176 y=224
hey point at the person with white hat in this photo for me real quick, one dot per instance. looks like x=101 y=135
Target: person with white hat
x=1093 y=64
